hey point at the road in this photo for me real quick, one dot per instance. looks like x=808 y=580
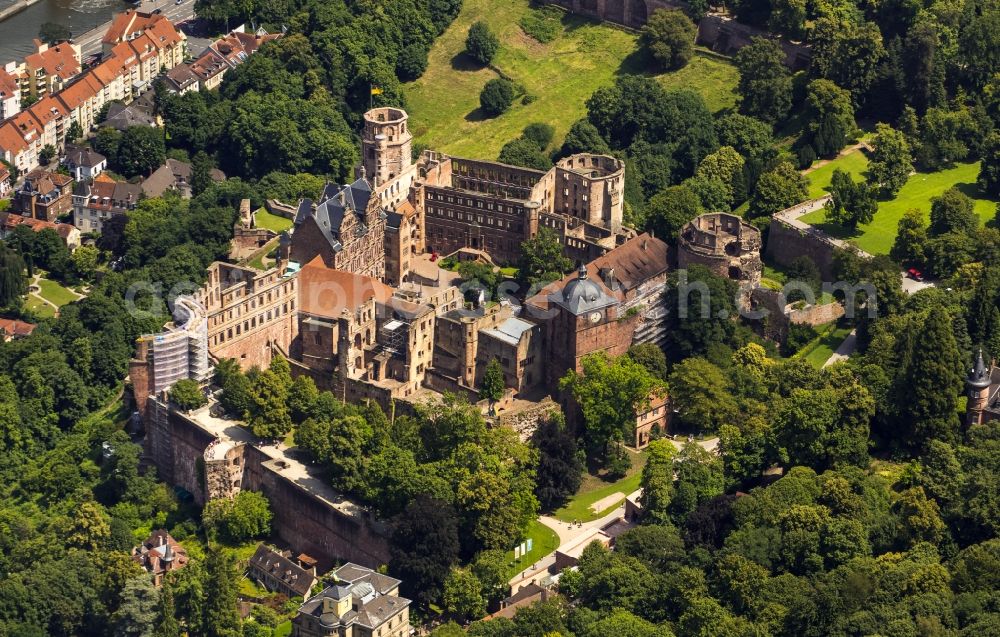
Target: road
x=90 y=42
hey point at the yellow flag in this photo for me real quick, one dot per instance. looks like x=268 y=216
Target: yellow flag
x=376 y=90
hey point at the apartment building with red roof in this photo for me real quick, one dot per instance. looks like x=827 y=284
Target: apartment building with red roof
x=10 y=93
x=50 y=68
x=137 y=46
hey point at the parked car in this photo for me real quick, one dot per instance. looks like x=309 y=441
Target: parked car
x=915 y=274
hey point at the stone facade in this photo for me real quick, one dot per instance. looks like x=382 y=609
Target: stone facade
x=44 y=195
x=518 y=346
x=251 y=313
x=358 y=338
x=248 y=238
x=725 y=244
x=346 y=228
x=609 y=304
x=785 y=243
x=211 y=457
x=457 y=342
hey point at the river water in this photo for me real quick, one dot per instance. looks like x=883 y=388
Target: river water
x=17 y=32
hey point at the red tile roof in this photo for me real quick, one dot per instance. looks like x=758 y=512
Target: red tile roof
x=13 y=327
x=11 y=140
x=8 y=85
x=79 y=92
x=326 y=293
x=59 y=60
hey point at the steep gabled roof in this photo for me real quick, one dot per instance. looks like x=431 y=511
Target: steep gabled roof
x=335 y=203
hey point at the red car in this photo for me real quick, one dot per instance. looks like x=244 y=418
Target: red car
x=915 y=274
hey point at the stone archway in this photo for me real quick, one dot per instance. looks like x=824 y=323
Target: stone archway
x=637 y=13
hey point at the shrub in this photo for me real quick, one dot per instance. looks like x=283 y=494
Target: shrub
x=542 y=24
x=497 y=96
x=541 y=134
x=481 y=44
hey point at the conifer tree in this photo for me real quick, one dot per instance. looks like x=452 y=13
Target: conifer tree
x=221 y=616
x=931 y=382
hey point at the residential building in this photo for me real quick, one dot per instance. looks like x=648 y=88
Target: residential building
x=174 y=175
x=346 y=229
x=5 y=182
x=181 y=79
x=44 y=195
x=157 y=30
x=279 y=573
x=83 y=163
x=11 y=329
x=19 y=145
x=68 y=233
x=141 y=112
x=10 y=92
x=224 y=54
x=611 y=303
x=83 y=100
x=101 y=198
x=160 y=554
x=355 y=607
x=50 y=68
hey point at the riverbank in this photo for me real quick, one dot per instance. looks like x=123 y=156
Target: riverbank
x=17 y=7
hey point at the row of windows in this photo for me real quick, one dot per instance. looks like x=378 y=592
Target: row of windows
x=252 y=323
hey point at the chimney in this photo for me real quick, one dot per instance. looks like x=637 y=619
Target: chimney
x=645 y=244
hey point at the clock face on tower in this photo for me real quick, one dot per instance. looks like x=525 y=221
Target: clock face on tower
x=595 y=317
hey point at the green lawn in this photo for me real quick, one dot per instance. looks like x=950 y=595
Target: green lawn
x=283 y=629
x=40 y=307
x=855 y=163
x=560 y=75
x=877 y=237
x=819 y=350
x=278 y=224
x=711 y=75
x=52 y=291
x=594 y=489
x=543 y=541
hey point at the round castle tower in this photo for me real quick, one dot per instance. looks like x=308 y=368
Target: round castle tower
x=978 y=383
x=385 y=144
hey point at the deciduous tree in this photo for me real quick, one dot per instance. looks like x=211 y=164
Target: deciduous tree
x=481 y=44
x=669 y=37
x=891 y=162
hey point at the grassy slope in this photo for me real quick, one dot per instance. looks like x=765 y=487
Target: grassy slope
x=594 y=489
x=709 y=74
x=877 y=237
x=562 y=74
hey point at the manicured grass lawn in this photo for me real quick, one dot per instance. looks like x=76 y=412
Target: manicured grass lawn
x=877 y=237
x=711 y=75
x=258 y=260
x=819 y=350
x=52 y=291
x=272 y=222
x=40 y=307
x=561 y=75
x=855 y=163
x=543 y=541
x=594 y=489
